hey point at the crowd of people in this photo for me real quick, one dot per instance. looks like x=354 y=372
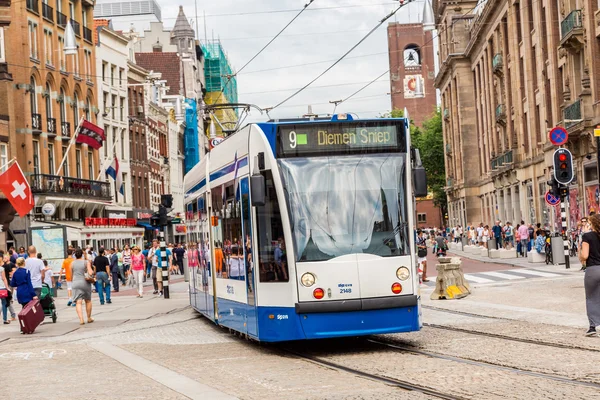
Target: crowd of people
x=84 y=271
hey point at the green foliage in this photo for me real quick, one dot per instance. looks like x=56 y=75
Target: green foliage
x=430 y=142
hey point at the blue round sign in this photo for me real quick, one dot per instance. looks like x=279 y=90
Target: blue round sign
x=551 y=199
x=558 y=136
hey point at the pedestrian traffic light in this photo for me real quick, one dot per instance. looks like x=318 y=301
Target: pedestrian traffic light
x=162 y=215
x=563 y=166
x=166 y=200
x=554 y=188
x=564 y=192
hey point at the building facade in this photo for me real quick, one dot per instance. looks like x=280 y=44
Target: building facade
x=128 y=15
x=412 y=70
x=510 y=71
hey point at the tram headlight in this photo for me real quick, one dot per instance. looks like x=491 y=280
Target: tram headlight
x=308 y=279
x=403 y=273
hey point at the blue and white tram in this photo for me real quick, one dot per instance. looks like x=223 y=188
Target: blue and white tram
x=304 y=230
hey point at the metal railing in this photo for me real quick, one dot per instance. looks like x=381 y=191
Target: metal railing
x=51 y=125
x=572 y=114
x=76 y=27
x=47 y=12
x=448 y=148
x=497 y=62
x=446 y=113
x=55 y=184
x=36 y=121
x=33 y=5
x=65 y=129
x=501 y=160
x=572 y=21
x=87 y=34
x=449 y=182
x=61 y=19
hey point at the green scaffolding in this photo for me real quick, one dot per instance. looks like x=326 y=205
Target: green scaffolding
x=218 y=72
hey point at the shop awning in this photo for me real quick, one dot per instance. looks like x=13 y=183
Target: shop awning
x=145 y=225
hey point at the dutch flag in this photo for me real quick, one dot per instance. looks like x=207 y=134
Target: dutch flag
x=114 y=172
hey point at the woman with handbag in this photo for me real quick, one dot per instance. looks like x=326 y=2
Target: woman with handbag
x=4 y=296
x=589 y=255
x=83 y=277
x=21 y=281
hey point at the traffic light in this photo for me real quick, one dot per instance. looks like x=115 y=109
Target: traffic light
x=166 y=200
x=563 y=166
x=554 y=188
x=564 y=192
x=162 y=215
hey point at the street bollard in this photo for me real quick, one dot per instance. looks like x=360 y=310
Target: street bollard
x=450 y=281
x=164 y=263
x=186 y=271
x=558 y=250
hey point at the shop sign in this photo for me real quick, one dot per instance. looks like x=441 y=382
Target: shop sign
x=180 y=229
x=144 y=215
x=110 y=222
x=48 y=209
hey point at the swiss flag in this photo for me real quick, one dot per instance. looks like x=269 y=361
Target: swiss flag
x=17 y=190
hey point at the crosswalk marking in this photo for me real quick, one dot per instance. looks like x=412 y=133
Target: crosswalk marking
x=535 y=273
x=503 y=276
x=477 y=279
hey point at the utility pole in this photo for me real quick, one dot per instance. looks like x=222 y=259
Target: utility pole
x=162 y=220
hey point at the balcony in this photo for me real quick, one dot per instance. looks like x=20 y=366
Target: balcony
x=502 y=160
x=571 y=29
x=61 y=19
x=76 y=27
x=47 y=12
x=501 y=114
x=36 y=122
x=572 y=114
x=446 y=114
x=33 y=5
x=87 y=34
x=65 y=129
x=448 y=149
x=449 y=182
x=72 y=187
x=51 y=125
x=497 y=64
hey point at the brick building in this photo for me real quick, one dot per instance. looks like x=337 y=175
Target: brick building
x=412 y=70
x=428 y=215
x=510 y=71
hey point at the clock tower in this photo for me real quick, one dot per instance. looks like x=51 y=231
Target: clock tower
x=412 y=70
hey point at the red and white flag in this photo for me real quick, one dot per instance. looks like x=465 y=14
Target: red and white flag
x=90 y=134
x=16 y=189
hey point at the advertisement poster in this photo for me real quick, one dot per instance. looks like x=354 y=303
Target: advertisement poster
x=591 y=193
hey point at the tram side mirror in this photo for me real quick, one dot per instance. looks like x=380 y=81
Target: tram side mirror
x=257 y=190
x=419 y=175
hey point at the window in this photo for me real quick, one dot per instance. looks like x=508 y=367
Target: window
x=65 y=169
x=84 y=17
x=71 y=11
x=2 y=57
x=36 y=157
x=113 y=105
x=3 y=156
x=48 y=53
x=122 y=144
x=422 y=218
x=61 y=56
x=122 y=108
x=103 y=72
x=63 y=107
x=48 y=101
x=59 y=6
x=88 y=107
x=121 y=72
x=519 y=26
x=87 y=64
x=124 y=190
x=75 y=109
x=91 y=166
x=33 y=42
x=81 y=214
x=33 y=97
x=112 y=75
x=69 y=214
x=51 y=158
x=104 y=103
x=76 y=63
x=78 y=163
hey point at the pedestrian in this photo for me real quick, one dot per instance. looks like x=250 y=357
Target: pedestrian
x=153 y=261
x=422 y=254
x=21 y=281
x=523 y=231
x=103 y=276
x=12 y=254
x=48 y=275
x=120 y=266
x=114 y=269
x=137 y=269
x=156 y=255
x=36 y=267
x=486 y=235
x=531 y=231
x=480 y=230
x=179 y=255
x=22 y=253
x=66 y=271
x=4 y=296
x=9 y=268
x=509 y=236
x=497 y=230
x=589 y=255
x=82 y=290
x=126 y=262
x=145 y=253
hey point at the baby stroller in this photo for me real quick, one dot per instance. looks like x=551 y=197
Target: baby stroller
x=47 y=302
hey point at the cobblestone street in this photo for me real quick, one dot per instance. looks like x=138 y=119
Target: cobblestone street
x=510 y=339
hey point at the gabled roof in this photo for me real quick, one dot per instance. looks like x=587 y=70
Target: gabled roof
x=182 y=27
x=168 y=64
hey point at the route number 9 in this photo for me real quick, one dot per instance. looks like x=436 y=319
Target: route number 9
x=293 y=142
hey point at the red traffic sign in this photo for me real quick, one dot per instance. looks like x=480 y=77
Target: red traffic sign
x=558 y=136
x=551 y=199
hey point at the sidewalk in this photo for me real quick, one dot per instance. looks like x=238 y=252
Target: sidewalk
x=517 y=262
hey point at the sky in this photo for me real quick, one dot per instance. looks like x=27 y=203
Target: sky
x=323 y=33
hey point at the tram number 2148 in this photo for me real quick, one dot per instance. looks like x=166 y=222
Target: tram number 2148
x=345 y=288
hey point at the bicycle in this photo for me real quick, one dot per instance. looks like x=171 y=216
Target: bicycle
x=548 y=250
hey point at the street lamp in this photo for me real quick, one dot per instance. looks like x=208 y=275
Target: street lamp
x=428 y=20
x=70 y=47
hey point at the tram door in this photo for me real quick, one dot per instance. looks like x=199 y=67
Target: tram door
x=251 y=310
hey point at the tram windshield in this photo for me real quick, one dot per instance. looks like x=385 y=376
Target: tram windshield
x=343 y=205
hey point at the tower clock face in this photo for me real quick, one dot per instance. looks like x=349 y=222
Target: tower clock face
x=411 y=58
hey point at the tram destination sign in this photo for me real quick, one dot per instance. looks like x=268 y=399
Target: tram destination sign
x=340 y=138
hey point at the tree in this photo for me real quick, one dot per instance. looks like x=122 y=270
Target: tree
x=430 y=142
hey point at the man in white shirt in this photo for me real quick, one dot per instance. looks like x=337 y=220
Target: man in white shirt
x=36 y=268
x=480 y=234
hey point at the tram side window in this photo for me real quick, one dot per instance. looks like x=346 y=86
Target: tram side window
x=228 y=240
x=272 y=255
